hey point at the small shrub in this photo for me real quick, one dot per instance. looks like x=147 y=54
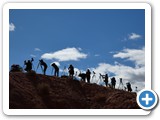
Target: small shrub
x=16 y=68
x=43 y=89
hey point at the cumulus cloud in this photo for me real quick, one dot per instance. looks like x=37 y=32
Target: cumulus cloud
x=134 y=36
x=66 y=54
x=133 y=74
x=129 y=74
x=126 y=72
x=37 y=49
x=11 y=27
x=135 y=55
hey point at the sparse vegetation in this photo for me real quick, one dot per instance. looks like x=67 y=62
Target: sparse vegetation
x=16 y=68
x=50 y=92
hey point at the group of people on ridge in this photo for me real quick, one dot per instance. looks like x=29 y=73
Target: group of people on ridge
x=113 y=80
x=28 y=67
x=83 y=76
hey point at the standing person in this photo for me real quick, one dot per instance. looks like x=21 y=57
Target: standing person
x=28 y=65
x=106 y=80
x=88 y=75
x=71 y=71
x=56 y=69
x=129 y=87
x=113 y=82
x=42 y=63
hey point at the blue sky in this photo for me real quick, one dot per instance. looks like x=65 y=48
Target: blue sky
x=106 y=41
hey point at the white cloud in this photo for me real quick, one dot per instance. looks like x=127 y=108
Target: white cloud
x=33 y=55
x=66 y=54
x=135 y=74
x=135 y=55
x=129 y=74
x=134 y=36
x=11 y=27
x=37 y=49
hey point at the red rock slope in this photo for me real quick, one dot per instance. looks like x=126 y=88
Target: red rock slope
x=36 y=91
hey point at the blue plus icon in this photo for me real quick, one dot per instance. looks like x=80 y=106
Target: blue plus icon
x=147 y=99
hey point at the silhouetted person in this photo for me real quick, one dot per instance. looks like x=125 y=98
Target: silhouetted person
x=106 y=80
x=83 y=76
x=28 y=65
x=113 y=82
x=56 y=69
x=88 y=75
x=129 y=87
x=42 y=63
x=71 y=71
